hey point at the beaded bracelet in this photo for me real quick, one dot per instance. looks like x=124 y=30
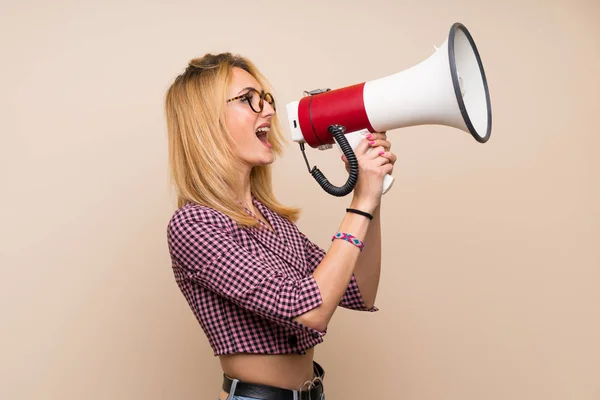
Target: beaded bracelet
x=349 y=238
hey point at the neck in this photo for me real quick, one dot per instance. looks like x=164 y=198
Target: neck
x=245 y=192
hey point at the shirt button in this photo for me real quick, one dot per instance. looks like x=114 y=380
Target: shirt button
x=315 y=335
x=293 y=340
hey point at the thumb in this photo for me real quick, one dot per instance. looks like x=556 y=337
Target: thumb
x=362 y=147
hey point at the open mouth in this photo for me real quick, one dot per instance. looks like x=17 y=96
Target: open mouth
x=261 y=133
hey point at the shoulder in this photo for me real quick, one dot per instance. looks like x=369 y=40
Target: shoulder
x=196 y=214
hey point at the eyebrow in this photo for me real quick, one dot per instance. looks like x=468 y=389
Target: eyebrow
x=248 y=88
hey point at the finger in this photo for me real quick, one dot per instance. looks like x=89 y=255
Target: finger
x=374 y=152
x=385 y=157
x=380 y=142
x=346 y=164
x=362 y=147
x=376 y=135
x=381 y=160
x=391 y=157
x=388 y=168
x=345 y=160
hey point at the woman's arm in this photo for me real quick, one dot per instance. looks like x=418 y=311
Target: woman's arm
x=339 y=264
x=368 y=265
x=334 y=272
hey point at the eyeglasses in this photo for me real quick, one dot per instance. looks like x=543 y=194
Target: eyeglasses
x=255 y=99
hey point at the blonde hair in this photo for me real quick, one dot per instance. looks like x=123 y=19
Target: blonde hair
x=202 y=163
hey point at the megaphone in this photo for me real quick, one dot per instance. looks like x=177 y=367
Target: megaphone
x=448 y=88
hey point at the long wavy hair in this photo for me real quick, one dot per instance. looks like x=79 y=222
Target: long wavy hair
x=202 y=163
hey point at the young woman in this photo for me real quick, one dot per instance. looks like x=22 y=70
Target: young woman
x=262 y=292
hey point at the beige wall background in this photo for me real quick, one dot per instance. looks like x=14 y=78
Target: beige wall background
x=491 y=252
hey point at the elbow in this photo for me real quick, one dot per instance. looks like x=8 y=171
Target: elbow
x=314 y=320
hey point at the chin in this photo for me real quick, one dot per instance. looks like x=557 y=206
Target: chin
x=262 y=161
x=268 y=158
x=267 y=161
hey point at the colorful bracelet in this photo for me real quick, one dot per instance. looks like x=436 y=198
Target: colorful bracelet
x=349 y=238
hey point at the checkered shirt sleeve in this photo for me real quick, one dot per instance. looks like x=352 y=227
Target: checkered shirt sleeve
x=207 y=253
x=352 y=298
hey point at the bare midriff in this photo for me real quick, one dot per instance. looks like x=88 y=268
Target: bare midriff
x=288 y=371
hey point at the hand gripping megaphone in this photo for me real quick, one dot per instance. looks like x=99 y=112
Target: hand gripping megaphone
x=449 y=88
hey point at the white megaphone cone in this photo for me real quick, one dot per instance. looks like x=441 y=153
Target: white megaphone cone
x=449 y=88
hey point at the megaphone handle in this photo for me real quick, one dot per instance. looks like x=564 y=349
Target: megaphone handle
x=388 y=181
x=354 y=139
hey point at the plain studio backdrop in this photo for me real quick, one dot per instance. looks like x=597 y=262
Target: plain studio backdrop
x=491 y=256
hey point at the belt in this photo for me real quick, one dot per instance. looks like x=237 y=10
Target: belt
x=265 y=392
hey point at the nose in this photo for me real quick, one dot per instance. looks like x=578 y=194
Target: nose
x=268 y=110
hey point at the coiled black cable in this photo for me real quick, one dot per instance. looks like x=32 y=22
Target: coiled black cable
x=338 y=132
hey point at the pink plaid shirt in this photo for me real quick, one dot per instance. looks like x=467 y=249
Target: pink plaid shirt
x=245 y=285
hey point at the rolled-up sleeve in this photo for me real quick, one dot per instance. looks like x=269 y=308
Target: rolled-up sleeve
x=208 y=254
x=352 y=299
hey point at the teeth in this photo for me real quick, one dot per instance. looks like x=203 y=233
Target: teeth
x=262 y=130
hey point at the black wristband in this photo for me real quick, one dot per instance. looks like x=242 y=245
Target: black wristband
x=355 y=211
